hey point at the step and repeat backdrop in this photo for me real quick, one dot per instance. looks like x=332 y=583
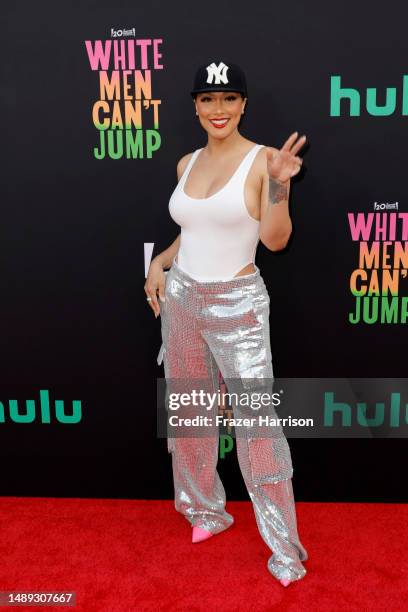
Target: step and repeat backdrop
x=96 y=114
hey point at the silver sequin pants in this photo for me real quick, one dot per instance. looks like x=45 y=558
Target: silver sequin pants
x=217 y=327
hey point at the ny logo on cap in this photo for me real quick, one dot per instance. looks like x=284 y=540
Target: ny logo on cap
x=219 y=73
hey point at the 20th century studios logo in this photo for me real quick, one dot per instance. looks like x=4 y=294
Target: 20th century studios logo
x=122 y=32
x=385 y=205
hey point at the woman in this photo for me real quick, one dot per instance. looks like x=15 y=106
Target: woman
x=215 y=312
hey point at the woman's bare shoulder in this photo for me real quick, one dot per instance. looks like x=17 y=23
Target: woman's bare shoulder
x=182 y=164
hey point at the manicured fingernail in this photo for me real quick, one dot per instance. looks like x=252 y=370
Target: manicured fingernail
x=163 y=299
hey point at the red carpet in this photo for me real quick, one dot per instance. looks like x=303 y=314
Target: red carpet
x=125 y=556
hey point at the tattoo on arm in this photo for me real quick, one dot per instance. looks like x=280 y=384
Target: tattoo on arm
x=277 y=191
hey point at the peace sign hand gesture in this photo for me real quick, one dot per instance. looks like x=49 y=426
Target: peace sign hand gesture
x=284 y=163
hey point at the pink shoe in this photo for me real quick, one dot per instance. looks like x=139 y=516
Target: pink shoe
x=285 y=582
x=200 y=534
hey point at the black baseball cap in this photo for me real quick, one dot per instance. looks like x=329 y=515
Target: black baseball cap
x=219 y=76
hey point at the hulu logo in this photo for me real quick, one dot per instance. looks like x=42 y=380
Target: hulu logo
x=360 y=412
x=40 y=413
x=353 y=96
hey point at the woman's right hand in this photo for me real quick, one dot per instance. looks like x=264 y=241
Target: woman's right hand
x=155 y=284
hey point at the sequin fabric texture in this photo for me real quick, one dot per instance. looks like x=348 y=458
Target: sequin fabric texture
x=223 y=326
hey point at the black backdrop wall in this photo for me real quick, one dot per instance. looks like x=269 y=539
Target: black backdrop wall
x=75 y=230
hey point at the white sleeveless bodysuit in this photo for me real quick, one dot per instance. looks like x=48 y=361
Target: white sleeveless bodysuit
x=218 y=235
